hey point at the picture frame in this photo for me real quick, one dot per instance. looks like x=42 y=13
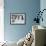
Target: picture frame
x=17 y=18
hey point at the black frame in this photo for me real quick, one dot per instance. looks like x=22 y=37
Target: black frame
x=18 y=14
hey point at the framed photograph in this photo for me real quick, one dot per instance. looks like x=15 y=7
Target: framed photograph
x=17 y=18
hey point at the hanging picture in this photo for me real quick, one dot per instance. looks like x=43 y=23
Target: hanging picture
x=17 y=18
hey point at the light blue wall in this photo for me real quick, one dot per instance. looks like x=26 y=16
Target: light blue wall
x=43 y=6
x=30 y=7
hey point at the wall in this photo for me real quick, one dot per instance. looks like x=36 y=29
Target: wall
x=30 y=7
x=43 y=6
x=1 y=21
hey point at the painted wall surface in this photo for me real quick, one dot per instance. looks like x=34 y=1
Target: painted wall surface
x=30 y=7
x=1 y=21
x=43 y=6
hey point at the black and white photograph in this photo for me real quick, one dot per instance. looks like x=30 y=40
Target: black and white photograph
x=17 y=18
